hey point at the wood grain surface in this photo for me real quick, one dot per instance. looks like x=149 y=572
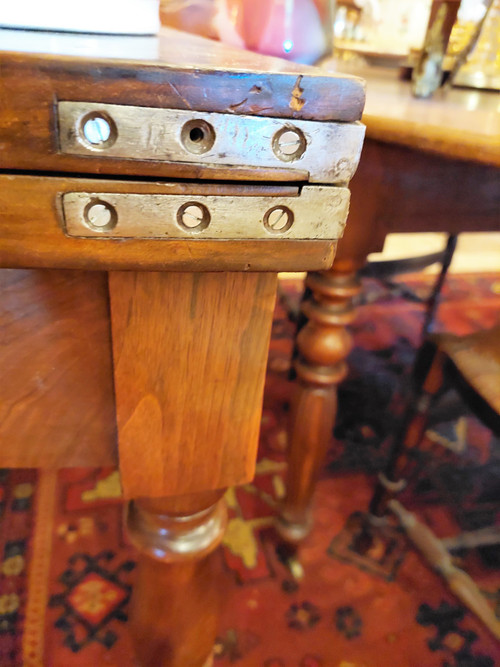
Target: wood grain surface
x=420 y=192
x=31 y=233
x=181 y=72
x=477 y=358
x=190 y=356
x=175 y=604
x=56 y=394
x=458 y=123
x=400 y=189
x=444 y=140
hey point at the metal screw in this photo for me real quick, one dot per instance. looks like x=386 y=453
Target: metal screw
x=289 y=144
x=97 y=130
x=100 y=215
x=278 y=219
x=193 y=216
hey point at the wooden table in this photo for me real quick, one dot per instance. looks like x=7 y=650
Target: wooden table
x=150 y=191
x=427 y=165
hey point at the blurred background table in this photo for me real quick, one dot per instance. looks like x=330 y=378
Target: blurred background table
x=427 y=166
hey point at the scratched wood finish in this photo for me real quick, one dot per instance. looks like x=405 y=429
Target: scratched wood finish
x=178 y=71
x=190 y=356
x=56 y=393
x=31 y=233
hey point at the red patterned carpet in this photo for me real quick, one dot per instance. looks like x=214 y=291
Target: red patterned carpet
x=66 y=569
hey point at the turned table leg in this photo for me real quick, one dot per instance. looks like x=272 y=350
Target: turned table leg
x=176 y=599
x=189 y=357
x=323 y=345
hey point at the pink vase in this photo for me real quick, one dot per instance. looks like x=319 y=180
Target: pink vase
x=299 y=30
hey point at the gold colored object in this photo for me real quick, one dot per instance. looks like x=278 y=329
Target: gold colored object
x=317 y=212
x=428 y=72
x=479 y=67
x=329 y=152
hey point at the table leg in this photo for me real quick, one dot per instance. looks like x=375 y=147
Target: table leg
x=174 y=607
x=323 y=345
x=189 y=353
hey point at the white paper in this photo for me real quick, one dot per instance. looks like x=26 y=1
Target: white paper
x=124 y=17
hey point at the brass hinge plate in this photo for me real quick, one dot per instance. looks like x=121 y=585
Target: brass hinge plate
x=329 y=152
x=317 y=212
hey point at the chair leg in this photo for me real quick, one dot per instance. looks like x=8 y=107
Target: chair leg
x=434 y=298
x=436 y=555
x=409 y=435
x=415 y=420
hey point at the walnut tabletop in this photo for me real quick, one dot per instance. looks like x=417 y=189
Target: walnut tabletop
x=341 y=99
x=455 y=122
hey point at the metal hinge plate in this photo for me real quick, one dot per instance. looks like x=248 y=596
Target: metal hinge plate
x=329 y=152
x=317 y=212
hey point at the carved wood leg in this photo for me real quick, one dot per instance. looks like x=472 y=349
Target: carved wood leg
x=323 y=345
x=189 y=354
x=174 y=607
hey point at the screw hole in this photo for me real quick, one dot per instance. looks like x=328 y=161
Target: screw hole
x=196 y=134
x=278 y=219
x=289 y=144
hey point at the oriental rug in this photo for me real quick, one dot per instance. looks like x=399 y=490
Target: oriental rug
x=67 y=570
